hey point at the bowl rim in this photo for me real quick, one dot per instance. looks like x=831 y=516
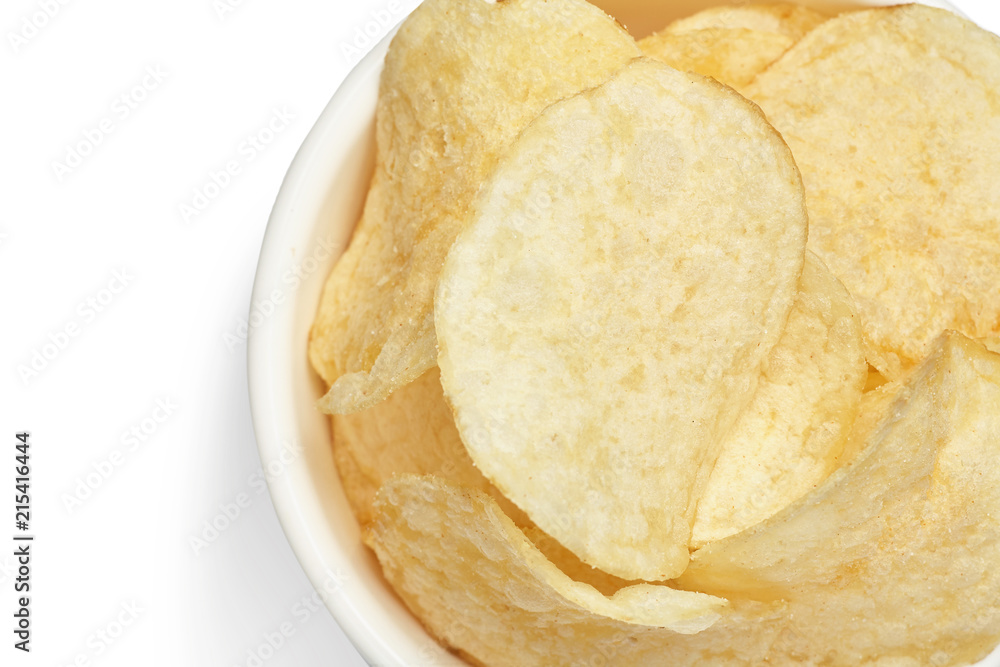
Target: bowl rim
x=271 y=410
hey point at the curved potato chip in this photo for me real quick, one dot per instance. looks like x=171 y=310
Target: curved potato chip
x=733 y=56
x=791 y=436
x=431 y=535
x=898 y=553
x=480 y=588
x=359 y=488
x=461 y=80
x=573 y=567
x=792 y=21
x=640 y=244
x=892 y=117
x=412 y=431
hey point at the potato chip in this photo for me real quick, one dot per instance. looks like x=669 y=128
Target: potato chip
x=358 y=487
x=480 y=587
x=791 y=436
x=893 y=569
x=792 y=21
x=573 y=567
x=640 y=245
x=895 y=554
x=733 y=56
x=412 y=431
x=892 y=117
x=460 y=534
x=461 y=80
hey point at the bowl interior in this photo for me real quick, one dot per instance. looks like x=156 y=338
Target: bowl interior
x=319 y=202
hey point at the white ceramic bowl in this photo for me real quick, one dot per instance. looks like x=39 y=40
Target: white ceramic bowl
x=315 y=212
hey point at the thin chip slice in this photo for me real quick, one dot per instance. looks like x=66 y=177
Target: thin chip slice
x=733 y=56
x=926 y=564
x=897 y=554
x=792 y=21
x=640 y=244
x=461 y=79
x=893 y=118
x=359 y=488
x=480 y=587
x=573 y=567
x=791 y=436
x=412 y=431
x=458 y=535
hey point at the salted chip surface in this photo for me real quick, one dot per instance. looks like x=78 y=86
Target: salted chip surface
x=893 y=119
x=733 y=56
x=603 y=320
x=898 y=553
x=461 y=79
x=438 y=542
x=792 y=21
x=791 y=436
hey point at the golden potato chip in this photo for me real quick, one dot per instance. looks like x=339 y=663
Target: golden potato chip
x=890 y=562
x=412 y=431
x=792 y=21
x=481 y=588
x=892 y=117
x=359 y=489
x=896 y=554
x=430 y=534
x=791 y=436
x=639 y=245
x=733 y=56
x=461 y=80
x=573 y=567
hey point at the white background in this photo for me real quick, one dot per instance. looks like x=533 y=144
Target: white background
x=139 y=417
